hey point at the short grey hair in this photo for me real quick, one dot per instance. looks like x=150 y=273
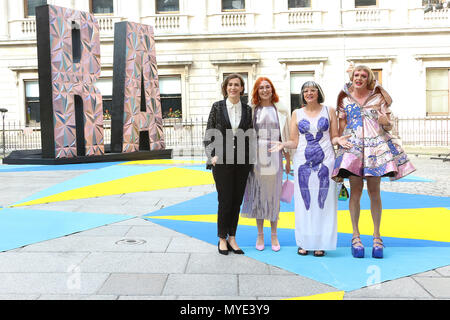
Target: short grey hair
x=311 y=84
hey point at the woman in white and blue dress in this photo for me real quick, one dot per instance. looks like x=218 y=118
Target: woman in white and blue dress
x=313 y=132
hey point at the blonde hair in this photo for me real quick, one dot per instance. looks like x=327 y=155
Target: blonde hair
x=371 y=77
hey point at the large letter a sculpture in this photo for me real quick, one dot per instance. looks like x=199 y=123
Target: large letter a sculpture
x=136 y=117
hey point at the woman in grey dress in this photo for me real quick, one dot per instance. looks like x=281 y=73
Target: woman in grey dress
x=262 y=196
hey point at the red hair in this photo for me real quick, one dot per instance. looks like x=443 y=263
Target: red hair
x=255 y=95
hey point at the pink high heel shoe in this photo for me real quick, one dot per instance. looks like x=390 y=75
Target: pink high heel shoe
x=277 y=247
x=260 y=247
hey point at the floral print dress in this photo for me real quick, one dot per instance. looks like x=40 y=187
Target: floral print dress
x=375 y=152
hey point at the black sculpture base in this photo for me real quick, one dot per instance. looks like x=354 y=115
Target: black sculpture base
x=35 y=157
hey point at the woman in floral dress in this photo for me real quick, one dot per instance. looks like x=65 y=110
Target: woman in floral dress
x=363 y=108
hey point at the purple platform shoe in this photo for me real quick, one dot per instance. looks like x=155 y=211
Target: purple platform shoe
x=377 y=250
x=357 y=251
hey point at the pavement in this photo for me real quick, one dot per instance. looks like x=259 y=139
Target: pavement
x=136 y=259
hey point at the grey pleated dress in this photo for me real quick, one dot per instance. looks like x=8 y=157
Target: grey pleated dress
x=263 y=190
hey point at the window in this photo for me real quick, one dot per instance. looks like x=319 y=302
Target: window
x=163 y=6
x=32 y=111
x=170 y=93
x=230 y=5
x=438 y=91
x=378 y=73
x=244 y=75
x=297 y=81
x=30 y=6
x=365 y=3
x=431 y=2
x=299 y=4
x=102 y=6
x=105 y=87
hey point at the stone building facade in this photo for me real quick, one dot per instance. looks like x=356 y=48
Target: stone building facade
x=198 y=42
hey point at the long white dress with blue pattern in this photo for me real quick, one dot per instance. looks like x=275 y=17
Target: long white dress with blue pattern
x=315 y=193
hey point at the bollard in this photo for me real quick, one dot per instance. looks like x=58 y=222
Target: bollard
x=4 y=111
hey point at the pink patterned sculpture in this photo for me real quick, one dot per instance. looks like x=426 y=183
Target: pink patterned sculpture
x=136 y=117
x=71 y=105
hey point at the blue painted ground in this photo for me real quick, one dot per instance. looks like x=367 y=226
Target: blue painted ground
x=21 y=227
x=207 y=204
x=403 y=257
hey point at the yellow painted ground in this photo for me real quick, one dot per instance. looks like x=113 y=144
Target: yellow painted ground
x=324 y=296
x=425 y=224
x=162 y=161
x=157 y=180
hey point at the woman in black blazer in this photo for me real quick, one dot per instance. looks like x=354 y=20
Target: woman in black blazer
x=228 y=140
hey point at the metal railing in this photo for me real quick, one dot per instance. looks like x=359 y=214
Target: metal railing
x=178 y=134
x=188 y=134
x=431 y=131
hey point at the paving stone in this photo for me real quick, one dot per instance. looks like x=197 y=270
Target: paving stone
x=82 y=243
x=19 y=296
x=403 y=288
x=51 y=283
x=201 y=285
x=437 y=287
x=147 y=298
x=431 y=273
x=444 y=271
x=135 y=222
x=215 y=298
x=152 y=231
x=278 y=271
x=191 y=245
x=280 y=286
x=207 y=263
x=109 y=230
x=18 y=262
x=134 y=284
x=77 y=297
x=131 y=262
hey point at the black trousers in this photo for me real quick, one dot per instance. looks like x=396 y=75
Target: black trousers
x=231 y=180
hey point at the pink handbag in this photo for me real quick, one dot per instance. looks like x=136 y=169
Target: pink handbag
x=287 y=191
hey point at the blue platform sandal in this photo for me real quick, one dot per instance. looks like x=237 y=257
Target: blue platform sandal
x=357 y=248
x=377 y=250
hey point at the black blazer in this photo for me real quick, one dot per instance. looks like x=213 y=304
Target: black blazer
x=218 y=119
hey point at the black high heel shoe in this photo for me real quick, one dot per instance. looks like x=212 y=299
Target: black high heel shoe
x=238 y=251
x=224 y=252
